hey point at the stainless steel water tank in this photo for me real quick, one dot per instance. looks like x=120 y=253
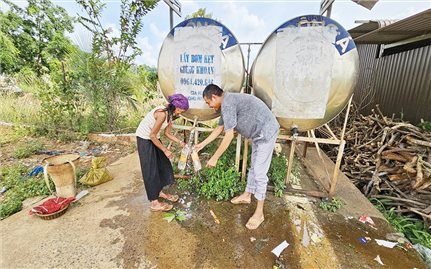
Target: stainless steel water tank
x=195 y=53
x=306 y=71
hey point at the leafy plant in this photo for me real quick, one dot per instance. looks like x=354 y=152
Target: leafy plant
x=221 y=182
x=179 y=215
x=28 y=150
x=331 y=206
x=277 y=174
x=414 y=229
x=425 y=125
x=19 y=187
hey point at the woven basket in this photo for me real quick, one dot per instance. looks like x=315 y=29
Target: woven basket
x=62 y=169
x=53 y=215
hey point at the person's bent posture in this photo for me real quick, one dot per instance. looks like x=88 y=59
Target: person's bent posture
x=250 y=117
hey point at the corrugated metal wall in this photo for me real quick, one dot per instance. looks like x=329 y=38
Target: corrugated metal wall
x=400 y=83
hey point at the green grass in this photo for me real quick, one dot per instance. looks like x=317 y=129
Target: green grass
x=19 y=187
x=412 y=228
x=19 y=109
x=9 y=135
x=28 y=150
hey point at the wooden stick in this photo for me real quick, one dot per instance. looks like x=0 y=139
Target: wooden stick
x=244 y=160
x=345 y=119
x=316 y=143
x=330 y=131
x=182 y=176
x=200 y=129
x=238 y=152
x=420 y=213
x=399 y=199
x=196 y=136
x=336 y=169
x=216 y=220
x=419 y=174
x=313 y=193
x=381 y=114
x=290 y=161
x=310 y=139
x=418 y=142
x=318 y=194
x=340 y=152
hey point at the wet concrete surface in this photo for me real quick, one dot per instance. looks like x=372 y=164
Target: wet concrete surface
x=113 y=227
x=201 y=243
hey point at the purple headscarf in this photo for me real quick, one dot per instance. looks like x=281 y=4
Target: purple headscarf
x=179 y=101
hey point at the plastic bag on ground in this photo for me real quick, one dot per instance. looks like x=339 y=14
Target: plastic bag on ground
x=97 y=174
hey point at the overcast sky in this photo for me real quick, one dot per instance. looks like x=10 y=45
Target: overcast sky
x=249 y=21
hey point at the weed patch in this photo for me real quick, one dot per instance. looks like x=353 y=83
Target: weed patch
x=19 y=187
x=412 y=228
x=332 y=205
x=28 y=150
x=221 y=182
x=277 y=174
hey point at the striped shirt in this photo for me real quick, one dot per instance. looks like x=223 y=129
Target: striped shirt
x=147 y=124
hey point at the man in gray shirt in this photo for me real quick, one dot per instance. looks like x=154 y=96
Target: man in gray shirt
x=252 y=119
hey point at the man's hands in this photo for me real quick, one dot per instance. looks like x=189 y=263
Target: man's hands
x=198 y=147
x=212 y=162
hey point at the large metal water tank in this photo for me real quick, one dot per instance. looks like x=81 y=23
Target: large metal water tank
x=195 y=53
x=306 y=71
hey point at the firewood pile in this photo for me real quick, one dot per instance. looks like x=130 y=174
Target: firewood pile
x=388 y=158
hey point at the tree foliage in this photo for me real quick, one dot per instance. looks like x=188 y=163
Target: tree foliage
x=78 y=91
x=112 y=57
x=200 y=13
x=30 y=34
x=123 y=48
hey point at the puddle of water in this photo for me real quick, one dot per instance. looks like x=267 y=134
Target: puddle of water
x=150 y=241
x=199 y=242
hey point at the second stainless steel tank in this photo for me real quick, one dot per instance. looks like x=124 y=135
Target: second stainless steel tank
x=306 y=71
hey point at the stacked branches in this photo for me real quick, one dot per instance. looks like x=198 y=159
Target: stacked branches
x=389 y=159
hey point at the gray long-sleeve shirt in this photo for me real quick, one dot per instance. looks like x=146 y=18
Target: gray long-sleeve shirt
x=249 y=116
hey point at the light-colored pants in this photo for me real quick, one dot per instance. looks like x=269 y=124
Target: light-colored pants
x=257 y=179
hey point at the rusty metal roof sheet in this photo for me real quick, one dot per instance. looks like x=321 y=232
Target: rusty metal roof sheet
x=385 y=32
x=369 y=26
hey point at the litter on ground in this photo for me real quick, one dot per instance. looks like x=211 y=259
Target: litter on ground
x=385 y=243
x=278 y=249
x=377 y=259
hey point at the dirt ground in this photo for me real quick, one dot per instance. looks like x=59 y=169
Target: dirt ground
x=11 y=141
x=112 y=227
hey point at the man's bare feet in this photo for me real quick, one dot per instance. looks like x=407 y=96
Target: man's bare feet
x=254 y=222
x=244 y=198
